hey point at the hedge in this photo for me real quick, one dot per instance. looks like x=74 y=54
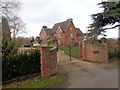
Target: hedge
x=113 y=55
x=20 y=64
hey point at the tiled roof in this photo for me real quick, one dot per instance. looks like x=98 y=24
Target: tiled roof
x=79 y=32
x=63 y=25
x=48 y=31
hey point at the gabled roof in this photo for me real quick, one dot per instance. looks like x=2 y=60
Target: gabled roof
x=48 y=31
x=63 y=25
x=79 y=32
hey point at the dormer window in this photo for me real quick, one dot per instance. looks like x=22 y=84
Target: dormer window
x=70 y=28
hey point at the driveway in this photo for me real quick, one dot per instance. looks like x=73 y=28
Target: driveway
x=88 y=75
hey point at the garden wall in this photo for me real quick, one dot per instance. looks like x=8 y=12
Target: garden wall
x=93 y=52
x=48 y=62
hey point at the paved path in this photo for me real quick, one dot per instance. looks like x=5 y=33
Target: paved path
x=87 y=75
x=61 y=56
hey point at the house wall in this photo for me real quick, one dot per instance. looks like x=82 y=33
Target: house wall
x=62 y=39
x=67 y=33
x=48 y=62
x=87 y=52
x=45 y=35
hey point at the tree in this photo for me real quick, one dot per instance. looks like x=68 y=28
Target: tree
x=9 y=47
x=9 y=10
x=17 y=26
x=109 y=16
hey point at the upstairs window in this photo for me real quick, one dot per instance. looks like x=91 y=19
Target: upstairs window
x=42 y=36
x=70 y=28
x=71 y=35
x=59 y=35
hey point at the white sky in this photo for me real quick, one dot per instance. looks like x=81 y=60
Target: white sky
x=38 y=13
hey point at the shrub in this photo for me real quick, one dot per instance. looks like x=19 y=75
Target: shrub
x=9 y=47
x=20 y=64
x=113 y=55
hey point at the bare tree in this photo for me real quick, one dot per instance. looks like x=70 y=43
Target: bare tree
x=17 y=26
x=9 y=9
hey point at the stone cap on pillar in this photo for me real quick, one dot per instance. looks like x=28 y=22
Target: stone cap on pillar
x=54 y=48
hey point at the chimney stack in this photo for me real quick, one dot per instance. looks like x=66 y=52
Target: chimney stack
x=44 y=26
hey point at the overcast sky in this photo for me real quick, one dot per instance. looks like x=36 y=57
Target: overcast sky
x=37 y=13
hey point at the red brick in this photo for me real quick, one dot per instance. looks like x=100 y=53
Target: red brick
x=48 y=62
x=88 y=49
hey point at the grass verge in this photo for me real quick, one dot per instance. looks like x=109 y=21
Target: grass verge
x=38 y=82
x=74 y=51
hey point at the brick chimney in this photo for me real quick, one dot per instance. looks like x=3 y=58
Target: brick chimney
x=44 y=27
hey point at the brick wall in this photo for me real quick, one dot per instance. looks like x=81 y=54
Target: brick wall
x=93 y=52
x=48 y=62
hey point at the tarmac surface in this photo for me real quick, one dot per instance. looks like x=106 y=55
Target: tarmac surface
x=82 y=74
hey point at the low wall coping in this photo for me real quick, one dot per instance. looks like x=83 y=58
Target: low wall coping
x=54 y=48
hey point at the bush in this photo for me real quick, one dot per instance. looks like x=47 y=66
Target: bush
x=114 y=55
x=20 y=64
x=9 y=47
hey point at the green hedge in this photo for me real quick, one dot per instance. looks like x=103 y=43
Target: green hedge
x=20 y=64
x=114 y=55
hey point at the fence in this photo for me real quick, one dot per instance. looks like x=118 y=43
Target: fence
x=26 y=50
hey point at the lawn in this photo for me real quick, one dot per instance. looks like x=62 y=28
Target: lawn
x=74 y=51
x=38 y=82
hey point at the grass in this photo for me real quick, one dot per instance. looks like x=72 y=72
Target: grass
x=74 y=51
x=38 y=82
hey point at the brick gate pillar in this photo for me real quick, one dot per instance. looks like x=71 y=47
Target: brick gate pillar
x=84 y=50
x=80 y=50
x=106 y=52
x=45 y=62
x=48 y=61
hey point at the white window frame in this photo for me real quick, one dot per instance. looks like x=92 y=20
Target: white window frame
x=43 y=36
x=70 y=28
x=59 y=42
x=71 y=34
x=59 y=35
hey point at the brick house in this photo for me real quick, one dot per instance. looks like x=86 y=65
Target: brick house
x=46 y=34
x=65 y=31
